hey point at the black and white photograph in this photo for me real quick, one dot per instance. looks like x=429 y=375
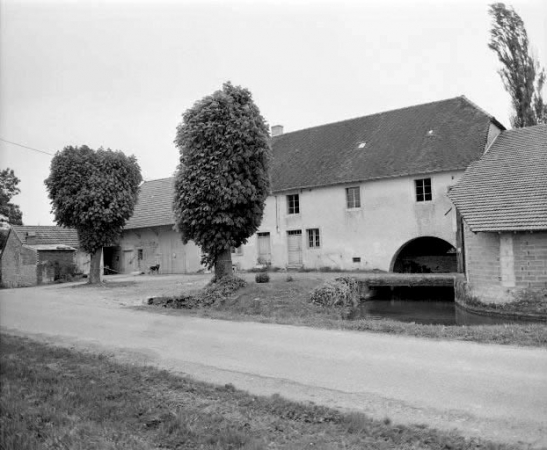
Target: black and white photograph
x=273 y=224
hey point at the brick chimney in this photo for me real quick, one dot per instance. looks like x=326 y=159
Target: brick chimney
x=277 y=130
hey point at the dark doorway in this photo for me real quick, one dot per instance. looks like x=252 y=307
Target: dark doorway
x=426 y=255
x=111 y=260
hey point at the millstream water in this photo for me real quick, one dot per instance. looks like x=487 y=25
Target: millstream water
x=422 y=305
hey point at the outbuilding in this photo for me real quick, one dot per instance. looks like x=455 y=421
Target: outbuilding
x=502 y=199
x=34 y=255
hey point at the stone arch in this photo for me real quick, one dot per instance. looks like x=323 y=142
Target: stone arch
x=425 y=254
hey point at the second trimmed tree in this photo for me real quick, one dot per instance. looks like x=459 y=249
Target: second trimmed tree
x=94 y=192
x=222 y=180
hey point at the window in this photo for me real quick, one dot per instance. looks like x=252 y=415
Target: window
x=293 y=204
x=140 y=254
x=357 y=259
x=314 y=240
x=423 y=190
x=237 y=250
x=353 y=197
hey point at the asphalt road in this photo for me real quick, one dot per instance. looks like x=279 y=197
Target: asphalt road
x=496 y=392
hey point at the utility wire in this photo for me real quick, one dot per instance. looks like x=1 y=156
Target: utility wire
x=24 y=146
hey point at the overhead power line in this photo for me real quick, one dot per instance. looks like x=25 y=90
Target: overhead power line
x=24 y=146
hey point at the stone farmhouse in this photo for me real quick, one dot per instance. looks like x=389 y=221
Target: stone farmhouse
x=502 y=199
x=365 y=193
x=34 y=255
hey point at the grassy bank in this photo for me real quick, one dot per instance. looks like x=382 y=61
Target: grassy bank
x=529 y=302
x=285 y=302
x=58 y=398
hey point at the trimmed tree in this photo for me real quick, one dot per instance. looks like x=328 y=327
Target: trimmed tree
x=521 y=74
x=94 y=192
x=9 y=189
x=222 y=180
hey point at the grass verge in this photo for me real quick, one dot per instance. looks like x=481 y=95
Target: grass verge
x=288 y=303
x=527 y=301
x=59 y=398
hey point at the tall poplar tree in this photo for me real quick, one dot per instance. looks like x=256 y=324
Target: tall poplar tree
x=521 y=74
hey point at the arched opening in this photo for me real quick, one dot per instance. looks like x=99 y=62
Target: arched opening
x=425 y=255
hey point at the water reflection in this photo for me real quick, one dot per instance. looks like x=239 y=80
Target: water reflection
x=430 y=306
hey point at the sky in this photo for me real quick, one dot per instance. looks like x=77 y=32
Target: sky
x=120 y=74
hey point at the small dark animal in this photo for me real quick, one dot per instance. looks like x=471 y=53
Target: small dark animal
x=155 y=269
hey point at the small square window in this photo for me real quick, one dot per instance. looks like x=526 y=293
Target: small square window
x=423 y=190
x=293 y=204
x=353 y=197
x=314 y=241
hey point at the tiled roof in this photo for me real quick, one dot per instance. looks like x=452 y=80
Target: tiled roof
x=506 y=190
x=49 y=247
x=46 y=235
x=154 y=207
x=434 y=137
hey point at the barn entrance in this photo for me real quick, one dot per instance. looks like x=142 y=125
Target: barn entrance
x=111 y=260
x=425 y=255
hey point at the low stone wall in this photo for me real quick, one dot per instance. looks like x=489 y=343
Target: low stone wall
x=466 y=299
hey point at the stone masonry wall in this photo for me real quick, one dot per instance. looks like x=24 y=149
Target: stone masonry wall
x=530 y=250
x=52 y=263
x=482 y=265
x=482 y=260
x=17 y=264
x=485 y=272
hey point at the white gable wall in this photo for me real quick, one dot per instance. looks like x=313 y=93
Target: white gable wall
x=389 y=217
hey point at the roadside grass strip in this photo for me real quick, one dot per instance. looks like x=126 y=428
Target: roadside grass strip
x=56 y=398
x=288 y=303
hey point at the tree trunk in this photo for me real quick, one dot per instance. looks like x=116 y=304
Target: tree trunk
x=95 y=275
x=223 y=265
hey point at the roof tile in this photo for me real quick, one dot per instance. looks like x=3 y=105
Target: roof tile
x=46 y=235
x=506 y=190
x=434 y=137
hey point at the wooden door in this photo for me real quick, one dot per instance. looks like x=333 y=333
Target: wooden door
x=128 y=258
x=294 y=239
x=264 y=248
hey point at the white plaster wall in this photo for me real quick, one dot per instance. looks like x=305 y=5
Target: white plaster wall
x=160 y=245
x=389 y=217
x=82 y=260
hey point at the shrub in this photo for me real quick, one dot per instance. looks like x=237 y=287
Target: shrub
x=213 y=293
x=335 y=293
x=289 y=278
x=351 y=282
x=262 y=277
x=219 y=289
x=60 y=271
x=68 y=271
